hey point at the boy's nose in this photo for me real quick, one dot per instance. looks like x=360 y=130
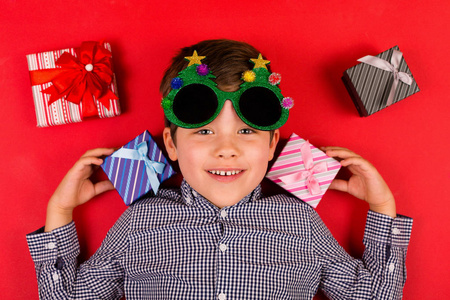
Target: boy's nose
x=227 y=145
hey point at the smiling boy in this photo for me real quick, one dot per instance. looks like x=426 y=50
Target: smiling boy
x=218 y=237
x=225 y=160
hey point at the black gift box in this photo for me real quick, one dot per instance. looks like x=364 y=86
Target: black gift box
x=369 y=86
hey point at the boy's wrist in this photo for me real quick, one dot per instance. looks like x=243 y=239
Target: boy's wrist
x=60 y=204
x=57 y=216
x=387 y=208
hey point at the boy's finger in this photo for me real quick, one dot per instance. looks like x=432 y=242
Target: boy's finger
x=332 y=148
x=87 y=162
x=359 y=162
x=340 y=152
x=98 y=152
x=339 y=185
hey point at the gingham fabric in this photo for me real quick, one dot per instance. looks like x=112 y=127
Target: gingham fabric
x=179 y=246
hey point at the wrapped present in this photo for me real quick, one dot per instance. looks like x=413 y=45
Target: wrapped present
x=379 y=81
x=137 y=168
x=74 y=83
x=304 y=170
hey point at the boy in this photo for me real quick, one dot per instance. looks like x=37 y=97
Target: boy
x=218 y=237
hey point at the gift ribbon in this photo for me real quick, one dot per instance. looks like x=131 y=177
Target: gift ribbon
x=151 y=167
x=310 y=169
x=81 y=79
x=390 y=67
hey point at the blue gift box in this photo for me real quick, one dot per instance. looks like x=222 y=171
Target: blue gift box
x=137 y=168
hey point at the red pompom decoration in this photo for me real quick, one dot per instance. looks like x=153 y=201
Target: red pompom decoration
x=275 y=78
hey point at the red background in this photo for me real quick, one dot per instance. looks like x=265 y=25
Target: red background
x=309 y=43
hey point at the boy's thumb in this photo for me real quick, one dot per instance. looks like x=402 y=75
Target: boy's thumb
x=339 y=185
x=103 y=186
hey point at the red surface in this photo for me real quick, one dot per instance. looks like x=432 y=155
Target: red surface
x=308 y=42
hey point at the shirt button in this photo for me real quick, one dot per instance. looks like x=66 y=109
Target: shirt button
x=223 y=214
x=222 y=296
x=194 y=193
x=223 y=247
x=395 y=230
x=55 y=277
x=50 y=245
x=391 y=267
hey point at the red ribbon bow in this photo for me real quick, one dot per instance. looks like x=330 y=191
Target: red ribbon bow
x=81 y=79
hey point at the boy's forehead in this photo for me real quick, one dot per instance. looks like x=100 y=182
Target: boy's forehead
x=228 y=87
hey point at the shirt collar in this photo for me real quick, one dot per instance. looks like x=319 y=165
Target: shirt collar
x=192 y=198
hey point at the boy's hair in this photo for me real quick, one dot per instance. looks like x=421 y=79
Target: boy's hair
x=227 y=60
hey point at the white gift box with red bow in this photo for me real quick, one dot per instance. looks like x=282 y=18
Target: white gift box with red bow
x=73 y=83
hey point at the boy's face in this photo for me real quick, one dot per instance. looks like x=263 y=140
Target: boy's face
x=225 y=146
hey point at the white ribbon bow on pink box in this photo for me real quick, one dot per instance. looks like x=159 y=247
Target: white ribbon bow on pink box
x=304 y=170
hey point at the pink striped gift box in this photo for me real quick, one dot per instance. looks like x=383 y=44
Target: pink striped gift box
x=306 y=176
x=50 y=112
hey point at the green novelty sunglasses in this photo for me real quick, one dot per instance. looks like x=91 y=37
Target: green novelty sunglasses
x=195 y=100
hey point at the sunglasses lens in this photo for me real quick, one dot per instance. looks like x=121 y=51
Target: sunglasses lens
x=260 y=106
x=195 y=103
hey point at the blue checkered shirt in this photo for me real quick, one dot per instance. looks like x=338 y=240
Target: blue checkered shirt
x=179 y=246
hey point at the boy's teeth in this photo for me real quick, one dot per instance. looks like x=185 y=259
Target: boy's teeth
x=225 y=173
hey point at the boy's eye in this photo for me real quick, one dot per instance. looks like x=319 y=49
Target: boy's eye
x=204 y=131
x=246 y=131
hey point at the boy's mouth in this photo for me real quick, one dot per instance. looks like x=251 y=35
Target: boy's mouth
x=225 y=173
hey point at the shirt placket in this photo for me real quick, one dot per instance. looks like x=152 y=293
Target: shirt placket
x=224 y=249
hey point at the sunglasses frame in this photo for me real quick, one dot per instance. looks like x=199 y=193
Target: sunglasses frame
x=190 y=75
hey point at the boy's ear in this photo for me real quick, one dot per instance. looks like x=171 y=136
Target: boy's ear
x=273 y=143
x=170 y=145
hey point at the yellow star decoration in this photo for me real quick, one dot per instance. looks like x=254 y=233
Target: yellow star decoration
x=195 y=59
x=260 y=62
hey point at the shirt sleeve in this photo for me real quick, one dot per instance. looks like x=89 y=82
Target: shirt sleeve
x=55 y=257
x=380 y=274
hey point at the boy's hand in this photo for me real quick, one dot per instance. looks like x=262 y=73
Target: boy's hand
x=365 y=183
x=76 y=188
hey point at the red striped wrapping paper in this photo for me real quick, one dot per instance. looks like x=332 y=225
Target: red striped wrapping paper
x=62 y=111
x=290 y=161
